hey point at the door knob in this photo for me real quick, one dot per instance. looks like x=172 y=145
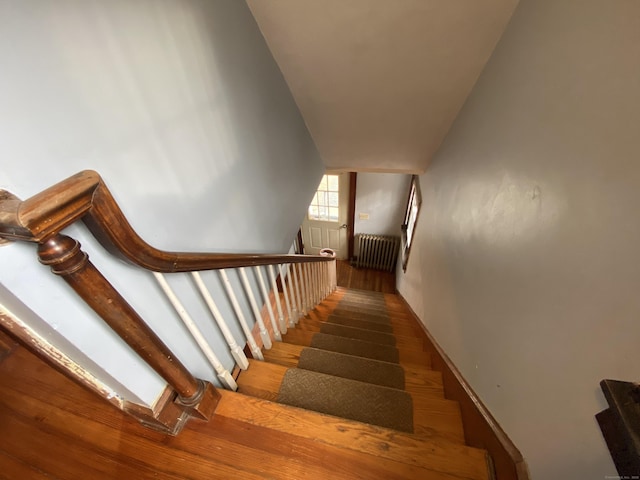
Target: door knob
x=344 y=225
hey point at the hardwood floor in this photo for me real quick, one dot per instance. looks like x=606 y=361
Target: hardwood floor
x=52 y=428
x=365 y=279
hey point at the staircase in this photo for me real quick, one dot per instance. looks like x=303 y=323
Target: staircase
x=358 y=361
x=345 y=390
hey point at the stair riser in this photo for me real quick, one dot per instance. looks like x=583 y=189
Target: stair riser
x=382 y=306
x=397 y=329
x=401 y=341
x=361 y=315
x=287 y=354
x=347 y=322
x=370 y=318
x=347 y=366
x=322 y=314
x=420 y=359
x=355 y=347
x=358 y=334
x=371 y=311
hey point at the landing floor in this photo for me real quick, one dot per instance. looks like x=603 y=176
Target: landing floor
x=365 y=279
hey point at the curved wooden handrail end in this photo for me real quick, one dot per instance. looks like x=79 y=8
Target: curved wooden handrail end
x=50 y=211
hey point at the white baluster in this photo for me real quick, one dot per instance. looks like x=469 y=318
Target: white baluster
x=318 y=283
x=290 y=313
x=253 y=346
x=236 y=352
x=314 y=284
x=295 y=303
x=274 y=287
x=267 y=302
x=223 y=374
x=308 y=286
x=303 y=287
x=296 y=269
x=295 y=295
x=325 y=279
x=334 y=275
x=327 y=276
x=264 y=335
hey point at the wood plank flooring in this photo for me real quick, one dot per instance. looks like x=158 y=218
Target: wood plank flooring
x=52 y=428
x=365 y=279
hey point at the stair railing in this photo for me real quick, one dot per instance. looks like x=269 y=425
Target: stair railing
x=305 y=280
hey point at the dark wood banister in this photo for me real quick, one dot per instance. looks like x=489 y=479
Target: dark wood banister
x=84 y=196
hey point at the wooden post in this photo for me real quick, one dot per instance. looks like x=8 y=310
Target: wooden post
x=64 y=256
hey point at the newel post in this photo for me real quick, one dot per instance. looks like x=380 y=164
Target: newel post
x=63 y=254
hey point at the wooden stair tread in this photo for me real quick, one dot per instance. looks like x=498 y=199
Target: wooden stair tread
x=404 y=447
x=395 y=319
x=52 y=428
x=358 y=400
x=300 y=337
x=225 y=447
x=413 y=343
x=287 y=354
x=432 y=412
x=389 y=306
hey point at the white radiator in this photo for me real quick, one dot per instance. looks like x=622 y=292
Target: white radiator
x=378 y=252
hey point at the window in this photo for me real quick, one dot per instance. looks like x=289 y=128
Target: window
x=410 y=219
x=324 y=205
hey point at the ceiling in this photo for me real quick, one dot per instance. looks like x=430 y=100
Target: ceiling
x=379 y=82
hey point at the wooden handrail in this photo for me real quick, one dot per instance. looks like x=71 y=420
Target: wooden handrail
x=84 y=196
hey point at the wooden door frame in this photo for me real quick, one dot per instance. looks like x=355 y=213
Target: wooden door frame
x=351 y=213
x=299 y=244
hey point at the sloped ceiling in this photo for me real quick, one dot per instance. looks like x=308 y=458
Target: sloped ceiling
x=379 y=82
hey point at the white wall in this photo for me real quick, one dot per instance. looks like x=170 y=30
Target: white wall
x=181 y=108
x=525 y=266
x=383 y=196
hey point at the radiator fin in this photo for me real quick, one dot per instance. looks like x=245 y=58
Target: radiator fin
x=378 y=252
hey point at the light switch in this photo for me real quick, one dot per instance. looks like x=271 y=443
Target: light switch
x=364 y=216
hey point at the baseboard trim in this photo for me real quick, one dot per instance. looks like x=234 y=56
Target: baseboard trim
x=481 y=429
x=166 y=415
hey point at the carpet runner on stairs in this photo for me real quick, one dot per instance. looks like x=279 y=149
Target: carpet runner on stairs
x=351 y=369
x=352 y=322
x=385 y=374
x=364 y=402
x=352 y=346
x=359 y=334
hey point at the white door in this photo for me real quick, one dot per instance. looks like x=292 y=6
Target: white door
x=325 y=225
